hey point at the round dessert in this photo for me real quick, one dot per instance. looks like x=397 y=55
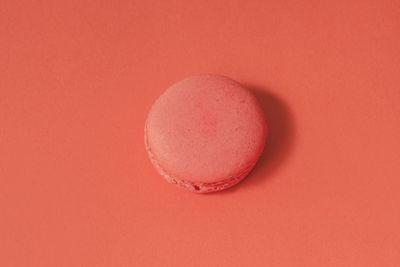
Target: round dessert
x=205 y=133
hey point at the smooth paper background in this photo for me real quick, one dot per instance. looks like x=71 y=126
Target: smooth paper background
x=77 y=79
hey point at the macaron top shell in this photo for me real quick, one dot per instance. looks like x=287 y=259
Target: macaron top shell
x=205 y=129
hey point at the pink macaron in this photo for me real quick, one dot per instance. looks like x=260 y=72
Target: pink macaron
x=205 y=133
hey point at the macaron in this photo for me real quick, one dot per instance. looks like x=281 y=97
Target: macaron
x=205 y=133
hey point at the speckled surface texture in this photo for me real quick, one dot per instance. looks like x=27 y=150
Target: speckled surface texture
x=205 y=133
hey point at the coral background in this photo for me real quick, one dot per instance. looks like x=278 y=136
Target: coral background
x=77 y=79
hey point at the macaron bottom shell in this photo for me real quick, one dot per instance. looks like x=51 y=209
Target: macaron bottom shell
x=198 y=187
